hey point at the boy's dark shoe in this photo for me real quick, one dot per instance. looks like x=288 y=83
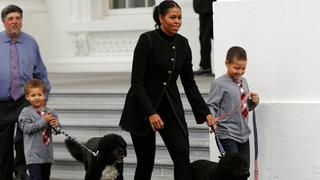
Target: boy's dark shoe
x=203 y=71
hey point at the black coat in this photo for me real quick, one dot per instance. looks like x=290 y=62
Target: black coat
x=202 y=6
x=157 y=64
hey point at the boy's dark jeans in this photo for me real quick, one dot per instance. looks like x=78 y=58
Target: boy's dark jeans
x=232 y=146
x=39 y=171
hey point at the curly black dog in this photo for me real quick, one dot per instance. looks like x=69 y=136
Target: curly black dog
x=108 y=164
x=229 y=167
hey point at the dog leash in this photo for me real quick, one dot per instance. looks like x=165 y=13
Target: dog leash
x=255 y=134
x=58 y=130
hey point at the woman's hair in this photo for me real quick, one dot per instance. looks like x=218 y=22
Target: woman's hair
x=34 y=83
x=162 y=9
x=236 y=52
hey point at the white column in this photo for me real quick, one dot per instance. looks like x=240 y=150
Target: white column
x=80 y=11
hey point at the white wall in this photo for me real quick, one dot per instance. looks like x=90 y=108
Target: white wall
x=76 y=24
x=281 y=38
x=68 y=33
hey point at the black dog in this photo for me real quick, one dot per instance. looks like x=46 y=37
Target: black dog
x=108 y=164
x=229 y=167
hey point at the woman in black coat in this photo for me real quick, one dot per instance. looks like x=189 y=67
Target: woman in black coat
x=153 y=102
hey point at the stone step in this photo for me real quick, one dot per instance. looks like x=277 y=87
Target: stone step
x=94 y=101
x=73 y=176
x=90 y=105
x=198 y=135
x=86 y=115
x=163 y=163
x=162 y=155
x=87 y=101
x=160 y=172
x=196 y=150
x=196 y=138
x=106 y=118
x=69 y=166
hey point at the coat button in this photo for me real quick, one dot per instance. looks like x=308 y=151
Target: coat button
x=169 y=72
x=173 y=47
x=164 y=83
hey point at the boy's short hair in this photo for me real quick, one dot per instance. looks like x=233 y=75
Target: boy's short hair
x=236 y=52
x=34 y=83
x=10 y=9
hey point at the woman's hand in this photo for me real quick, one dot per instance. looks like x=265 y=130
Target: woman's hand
x=156 y=122
x=212 y=122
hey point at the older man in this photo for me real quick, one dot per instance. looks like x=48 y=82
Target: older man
x=20 y=61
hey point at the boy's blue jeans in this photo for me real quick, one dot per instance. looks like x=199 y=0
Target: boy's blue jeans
x=39 y=171
x=232 y=146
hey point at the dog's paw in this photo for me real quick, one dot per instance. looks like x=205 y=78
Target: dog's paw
x=109 y=173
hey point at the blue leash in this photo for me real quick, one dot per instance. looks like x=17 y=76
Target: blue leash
x=218 y=142
x=255 y=135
